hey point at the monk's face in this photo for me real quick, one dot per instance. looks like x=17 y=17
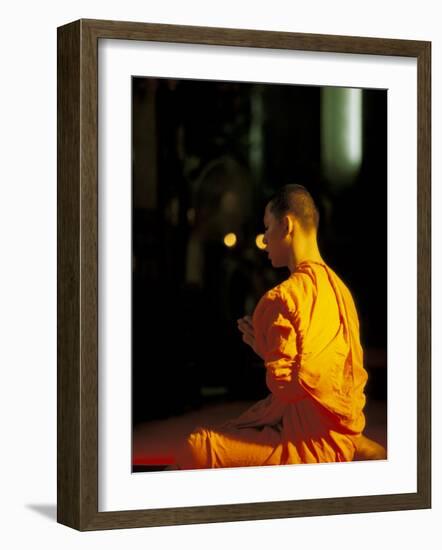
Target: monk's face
x=274 y=239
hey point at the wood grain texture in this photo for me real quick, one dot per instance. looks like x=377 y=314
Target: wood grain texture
x=77 y=220
x=424 y=274
x=68 y=276
x=252 y=38
x=89 y=276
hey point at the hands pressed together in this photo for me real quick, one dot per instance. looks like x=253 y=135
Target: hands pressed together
x=245 y=325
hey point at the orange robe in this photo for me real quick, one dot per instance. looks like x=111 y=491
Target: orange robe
x=307 y=331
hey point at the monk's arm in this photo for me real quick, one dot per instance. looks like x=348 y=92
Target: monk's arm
x=245 y=325
x=276 y=343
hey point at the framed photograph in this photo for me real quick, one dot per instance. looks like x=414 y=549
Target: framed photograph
x=178 y=148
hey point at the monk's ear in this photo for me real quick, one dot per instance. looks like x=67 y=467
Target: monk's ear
x=289 y=225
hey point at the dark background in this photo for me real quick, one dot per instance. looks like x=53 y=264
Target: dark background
x=206 y=157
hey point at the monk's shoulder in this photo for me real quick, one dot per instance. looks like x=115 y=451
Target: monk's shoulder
x=272 y=303
x=287 y=296
x=272 y=298
x=299 y=288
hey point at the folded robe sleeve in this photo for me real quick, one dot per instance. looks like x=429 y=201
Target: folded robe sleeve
x=275 y=339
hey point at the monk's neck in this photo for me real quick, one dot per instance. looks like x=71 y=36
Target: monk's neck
x=304 y=254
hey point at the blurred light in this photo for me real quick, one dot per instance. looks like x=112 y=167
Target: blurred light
x=172 y=211
x=341 y=133
x=230 y=240
x=260 y=241
x=354 y=127
x=191 y=216
x=256 y=132
x=229 y=202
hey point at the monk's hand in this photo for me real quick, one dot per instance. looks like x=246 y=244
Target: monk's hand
x=281 y=374
x=245 y=325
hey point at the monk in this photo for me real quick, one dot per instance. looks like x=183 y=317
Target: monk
x=306 y=331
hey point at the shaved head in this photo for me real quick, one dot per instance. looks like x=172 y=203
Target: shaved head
x=295 y=199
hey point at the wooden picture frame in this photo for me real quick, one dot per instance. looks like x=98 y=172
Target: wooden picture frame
x=77 y=223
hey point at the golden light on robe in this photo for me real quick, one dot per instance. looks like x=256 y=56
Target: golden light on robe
x=230 y=240
x=308 y=418
x=259 y=241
